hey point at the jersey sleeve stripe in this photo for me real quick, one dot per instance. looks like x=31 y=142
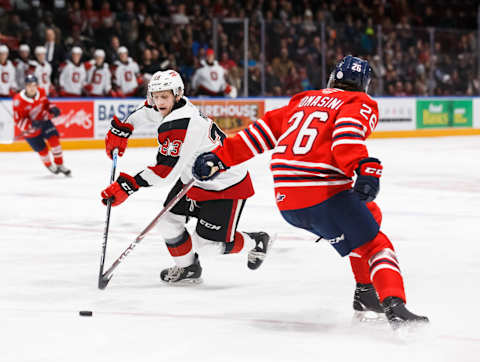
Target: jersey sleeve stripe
x=347 y=142
x=303 y=164
x=254 y=141
x=347 y=135
x=262 y=123
x=259 y=138
x=348 y=129
x=248 y=143
x=348 y=119
x=265 y=136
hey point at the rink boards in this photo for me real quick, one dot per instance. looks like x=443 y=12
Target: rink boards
x=84 y=122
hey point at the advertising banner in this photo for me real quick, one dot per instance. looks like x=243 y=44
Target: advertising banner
x=232 y=115
x=105 y=109
x=6 y=122
x=396 y=114
x=444 y=113
x=76 y=119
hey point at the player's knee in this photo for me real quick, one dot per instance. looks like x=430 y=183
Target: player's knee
x=375 y=210
x=378 y=243
x=206 y=246
x=171 y=226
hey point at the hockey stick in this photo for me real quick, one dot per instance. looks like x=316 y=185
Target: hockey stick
x=107 y=221
x=105 y=278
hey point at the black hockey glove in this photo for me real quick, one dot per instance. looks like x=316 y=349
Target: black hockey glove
x=207 y=166
x=54 y=111
x=367 y=184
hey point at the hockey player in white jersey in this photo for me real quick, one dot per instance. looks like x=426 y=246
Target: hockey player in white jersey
x=126 y=75
x=42 y=70
x=73 y=75
x=22 y=64
x=99 y=77
x=183 y=134
x=210 y=79
x=8 y=83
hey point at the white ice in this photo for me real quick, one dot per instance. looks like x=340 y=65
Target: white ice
x=296 y=307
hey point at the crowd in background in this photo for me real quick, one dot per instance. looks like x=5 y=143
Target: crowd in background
x=407 y=56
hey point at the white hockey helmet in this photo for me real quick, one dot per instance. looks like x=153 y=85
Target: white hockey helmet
x=166 y=80
x=3 y=49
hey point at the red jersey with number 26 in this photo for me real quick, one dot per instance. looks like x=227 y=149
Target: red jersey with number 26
x=317 y=141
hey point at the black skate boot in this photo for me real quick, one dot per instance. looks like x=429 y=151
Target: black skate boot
x=366 y=304
x=263 y=242
x=64 y=170
x=53 y=169
x=398 y=315
x=186 y=275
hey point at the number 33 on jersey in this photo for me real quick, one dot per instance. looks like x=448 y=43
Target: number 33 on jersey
x=317 y=141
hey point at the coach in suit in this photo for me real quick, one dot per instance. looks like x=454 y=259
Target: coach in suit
x=55 y=51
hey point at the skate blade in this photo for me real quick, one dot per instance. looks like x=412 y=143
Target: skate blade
x=369 y=317
x=184 y=282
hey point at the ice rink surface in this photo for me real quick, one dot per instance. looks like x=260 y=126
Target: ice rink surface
x=296 y=307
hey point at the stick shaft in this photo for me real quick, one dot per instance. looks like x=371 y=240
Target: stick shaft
x=107 y=218
x=138 y=239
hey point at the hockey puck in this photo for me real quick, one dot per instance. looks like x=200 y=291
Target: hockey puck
x=86 y=313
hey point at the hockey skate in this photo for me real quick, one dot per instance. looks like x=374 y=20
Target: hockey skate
x=183 y=275
x=263 y=243
x=53 y=169
x=64 y=170
x=399 y=316
x=366 y=305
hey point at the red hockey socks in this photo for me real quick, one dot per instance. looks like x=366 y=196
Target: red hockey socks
x=45 y=157
x=56 y=149
x=181 y=250
x=379 y=257
x=360 y=268
x=236 y=245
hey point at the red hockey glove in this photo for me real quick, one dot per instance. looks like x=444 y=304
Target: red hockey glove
x=117 y=136
x=207 y=166
x=367 y=184
x=120 y=190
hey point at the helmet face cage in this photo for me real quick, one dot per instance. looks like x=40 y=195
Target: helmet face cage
x=167 y=80
x=351 y=73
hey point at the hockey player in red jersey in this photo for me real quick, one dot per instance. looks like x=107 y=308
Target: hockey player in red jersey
x=32 y=112
x=318 y=143
x=184 y=133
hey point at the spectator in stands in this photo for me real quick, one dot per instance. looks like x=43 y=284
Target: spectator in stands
x=273 y=86
x=282 y=65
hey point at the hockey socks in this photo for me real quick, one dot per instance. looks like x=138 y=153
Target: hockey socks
x=180 y=248
x=56 y=149
x=376 y=263
x=45 y=157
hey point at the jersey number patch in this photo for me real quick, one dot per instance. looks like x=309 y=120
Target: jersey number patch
x=170 y=148
x=305 y=136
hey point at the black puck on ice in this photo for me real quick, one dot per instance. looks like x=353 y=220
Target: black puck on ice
x=86 y=313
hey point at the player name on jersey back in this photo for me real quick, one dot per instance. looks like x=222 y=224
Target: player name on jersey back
x=321 y=101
